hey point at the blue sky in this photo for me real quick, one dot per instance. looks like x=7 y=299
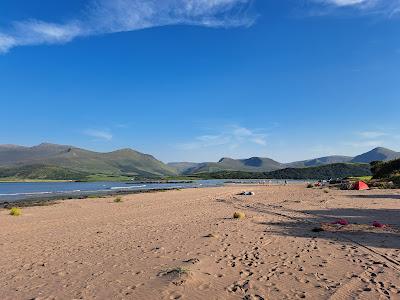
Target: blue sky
x=197 y=80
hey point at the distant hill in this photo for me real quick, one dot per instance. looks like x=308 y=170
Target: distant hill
x=320 y=161
x=254 y=164
x=260 y=164
x=120 y=162
x=377 y=154
x=340 y=170
x=183 y=167
x=51 y=161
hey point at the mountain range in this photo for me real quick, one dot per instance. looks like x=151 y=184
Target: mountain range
x=121 y=162
x=259 y=164
x=68 y=161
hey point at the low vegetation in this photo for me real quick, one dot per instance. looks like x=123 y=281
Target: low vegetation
x=178 y=271
x=118 y=200
x=386 y=173
x=15 y=211
x=239 y=215
x=386 y=169
x=212 y=235
x=360 y=178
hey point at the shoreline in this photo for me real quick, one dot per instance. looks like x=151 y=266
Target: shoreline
x=43 y=199
x=49 y=200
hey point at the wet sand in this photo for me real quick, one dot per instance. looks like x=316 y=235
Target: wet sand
x=186 y=245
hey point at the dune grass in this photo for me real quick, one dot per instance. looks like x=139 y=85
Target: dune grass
x=212 y=235
x=118 y=200
x=15 y=211
x=239 y=215
x=361 y=178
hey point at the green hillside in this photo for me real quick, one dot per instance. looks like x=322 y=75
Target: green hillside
x=320 y=161
x=339 y=170
x=72 y=160
x=41 y=172
x=321 y=172
x=183 y=167
x=260 y=164
x=54 y=162
x=254 y=164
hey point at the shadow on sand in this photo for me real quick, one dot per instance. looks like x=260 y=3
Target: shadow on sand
x=368 y=235
x=368 y=196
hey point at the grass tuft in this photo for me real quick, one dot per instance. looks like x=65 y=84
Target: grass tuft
x=179 y=271
x=15 y=211
x=118 y=200
x=239 y=215
x=212 y=235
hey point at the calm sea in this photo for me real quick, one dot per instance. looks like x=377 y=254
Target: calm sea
x=14 y=191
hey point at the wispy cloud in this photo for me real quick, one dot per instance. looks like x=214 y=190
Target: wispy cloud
x=369 y=139
x=372 y=134
x=366 y=144
x=111 y=16
x=99 y=134
x=347 y=2
x=387 y=7
x=231 y=138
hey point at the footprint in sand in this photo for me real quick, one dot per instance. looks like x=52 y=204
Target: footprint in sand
x=175 y=296
x=253 y=297
x=192 y=261
x=204 y=287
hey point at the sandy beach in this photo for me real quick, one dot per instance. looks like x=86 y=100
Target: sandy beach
x=185 y=244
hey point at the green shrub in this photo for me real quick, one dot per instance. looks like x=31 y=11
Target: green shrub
x=310 y=186
x=385 y=169
x=15 y=211
x=396 y=180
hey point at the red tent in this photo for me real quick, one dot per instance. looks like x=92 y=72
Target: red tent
x=361 y=186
